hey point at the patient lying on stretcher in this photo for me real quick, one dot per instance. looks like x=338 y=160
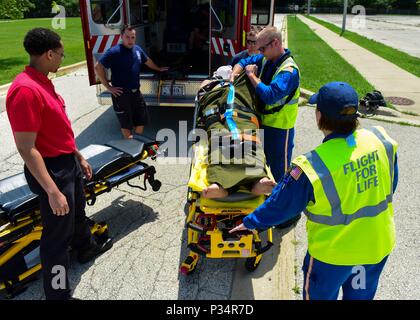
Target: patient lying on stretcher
x=235 y=152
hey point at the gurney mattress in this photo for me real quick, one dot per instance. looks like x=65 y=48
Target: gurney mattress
x=17 y=199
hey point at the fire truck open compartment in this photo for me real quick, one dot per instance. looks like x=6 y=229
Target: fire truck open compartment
x=174 y=33
x=191 y=37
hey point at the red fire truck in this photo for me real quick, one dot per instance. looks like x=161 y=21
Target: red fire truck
x=192 y=37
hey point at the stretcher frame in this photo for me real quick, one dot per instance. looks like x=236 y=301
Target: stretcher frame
x=205 y=238
x=19 y=232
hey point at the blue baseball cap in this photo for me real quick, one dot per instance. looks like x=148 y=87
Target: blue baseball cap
x=333 y=98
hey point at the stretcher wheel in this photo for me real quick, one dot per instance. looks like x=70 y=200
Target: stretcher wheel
x=251 y=264
x=189 y=265
x=155 y=184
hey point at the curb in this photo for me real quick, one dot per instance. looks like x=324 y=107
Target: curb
x=66 y=69
x=4 y=88
x=306 y=93
x=72 y=67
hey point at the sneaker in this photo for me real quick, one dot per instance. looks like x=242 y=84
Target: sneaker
x=94 y=250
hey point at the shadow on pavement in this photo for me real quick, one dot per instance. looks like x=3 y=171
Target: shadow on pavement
x=123 y=216
x=244 y=288
x=106 y=127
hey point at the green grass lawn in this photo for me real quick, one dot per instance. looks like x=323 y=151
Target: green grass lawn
x=318 y=62
x=399 y=58
x=13 y=56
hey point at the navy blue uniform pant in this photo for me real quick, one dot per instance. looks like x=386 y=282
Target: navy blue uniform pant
x=61 y=232
x=322 y=281
x=278 y=147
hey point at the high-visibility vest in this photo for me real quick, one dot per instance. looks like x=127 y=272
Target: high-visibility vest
x=351 y=221
x=285 y=118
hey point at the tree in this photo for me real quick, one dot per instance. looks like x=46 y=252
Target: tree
x=71 y=6
x=14 y=9
x=43 y=8
x=327 y=3
x=380 y=4
x=405 y=4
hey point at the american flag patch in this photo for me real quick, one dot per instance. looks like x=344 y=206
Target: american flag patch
x=296 y=172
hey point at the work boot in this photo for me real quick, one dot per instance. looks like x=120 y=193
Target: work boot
x=93 y=250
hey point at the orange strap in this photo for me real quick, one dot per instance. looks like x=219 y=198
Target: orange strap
x=247 y=137
x=253 y=119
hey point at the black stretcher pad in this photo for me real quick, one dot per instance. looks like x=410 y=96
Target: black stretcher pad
x=17 y=199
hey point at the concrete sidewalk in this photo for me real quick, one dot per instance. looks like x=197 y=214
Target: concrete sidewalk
x=274 y=279
x=385 y=76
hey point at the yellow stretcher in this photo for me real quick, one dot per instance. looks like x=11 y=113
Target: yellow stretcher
x=209 y=221
x=117 y=162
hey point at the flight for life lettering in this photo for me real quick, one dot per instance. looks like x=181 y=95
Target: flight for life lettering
x=365 y=170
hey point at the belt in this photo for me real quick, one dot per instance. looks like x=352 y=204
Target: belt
x=253 y=118
x=224 y=107
x=211 y=119
x=59 y=159
x=217 y=114
x=130 y=90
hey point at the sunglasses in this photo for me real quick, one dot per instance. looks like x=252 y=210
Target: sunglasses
x=251 y=42
x=262 y=49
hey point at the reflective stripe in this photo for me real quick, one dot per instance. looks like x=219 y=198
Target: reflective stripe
x=282 y=101
x=289 y=64
x=329 y=189
x=294 y=101
x=345 y=219
x=337 y=217
x=389 y=152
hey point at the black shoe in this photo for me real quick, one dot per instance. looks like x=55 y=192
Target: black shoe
x=94 y=250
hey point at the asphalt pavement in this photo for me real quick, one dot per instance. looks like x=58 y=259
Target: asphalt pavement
x=148 y=227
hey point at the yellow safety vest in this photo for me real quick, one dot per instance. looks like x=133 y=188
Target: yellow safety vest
x=285 y=118
x=351 y=221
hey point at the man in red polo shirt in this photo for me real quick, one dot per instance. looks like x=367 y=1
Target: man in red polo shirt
x=54 y=167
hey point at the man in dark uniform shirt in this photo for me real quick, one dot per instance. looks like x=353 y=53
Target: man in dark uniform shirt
x=125 y=61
